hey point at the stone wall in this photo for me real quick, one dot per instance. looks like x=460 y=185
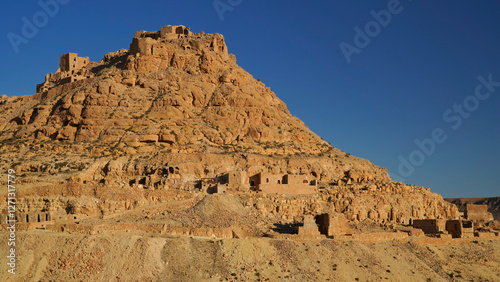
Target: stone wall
x=333 y=224
x=477 y=213
x=430 y=226
x=460 y=229
x=270 y=183
x=147 y=228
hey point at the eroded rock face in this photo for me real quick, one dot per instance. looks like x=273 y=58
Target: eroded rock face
x=176 y=108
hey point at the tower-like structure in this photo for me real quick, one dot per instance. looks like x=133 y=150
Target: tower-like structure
x=71 y=68
x=71 y=62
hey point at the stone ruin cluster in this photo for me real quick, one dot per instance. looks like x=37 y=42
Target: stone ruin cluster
x=71 y=69
x=468 y=226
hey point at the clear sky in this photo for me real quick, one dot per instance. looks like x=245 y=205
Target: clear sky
x=374 y=84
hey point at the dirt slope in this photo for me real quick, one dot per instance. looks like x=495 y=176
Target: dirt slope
x=45 y=256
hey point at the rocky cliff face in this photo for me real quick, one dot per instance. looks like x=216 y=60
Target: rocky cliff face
x=173 y=109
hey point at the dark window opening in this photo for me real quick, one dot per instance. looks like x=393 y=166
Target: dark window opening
x=142 y=181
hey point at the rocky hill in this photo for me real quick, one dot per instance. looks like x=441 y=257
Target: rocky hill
x=159 y=121
x=172 y=97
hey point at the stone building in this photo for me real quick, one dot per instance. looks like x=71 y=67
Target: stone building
x=70 y=62
x=71 y=68
x=284 y=183
x=430 y=226
x=455 y=228
x=333 y=224
x=477 y=213
x=209 y=185
x=460 y=228
x=147 y=43
x=238 y=181
x=144 y=41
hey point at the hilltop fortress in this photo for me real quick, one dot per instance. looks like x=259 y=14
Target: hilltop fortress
x=72 y=68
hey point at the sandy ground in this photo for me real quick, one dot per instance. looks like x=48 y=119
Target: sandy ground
x=128 y=256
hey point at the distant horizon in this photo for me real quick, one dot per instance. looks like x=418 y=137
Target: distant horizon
x=409 y=86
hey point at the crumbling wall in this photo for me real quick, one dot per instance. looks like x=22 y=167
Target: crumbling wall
x=333 y=224
x=477 y=213
x=430 y=226
x=309 y=229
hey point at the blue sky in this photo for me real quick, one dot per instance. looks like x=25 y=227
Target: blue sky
x=419 y=66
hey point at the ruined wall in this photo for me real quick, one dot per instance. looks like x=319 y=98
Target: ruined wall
x=237 y=181
x=376 y=236
x=71 y=62
x=270 y=183
x=430 y=226
x=309 y=229
x=333 y=224
x=144 y=227
x=478 y=213
x=460 y=228
x=298 y=179
x=153 y=43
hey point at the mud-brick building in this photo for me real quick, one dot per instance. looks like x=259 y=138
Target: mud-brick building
x=284 y=183
x=455 y=228
x=477 y=213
